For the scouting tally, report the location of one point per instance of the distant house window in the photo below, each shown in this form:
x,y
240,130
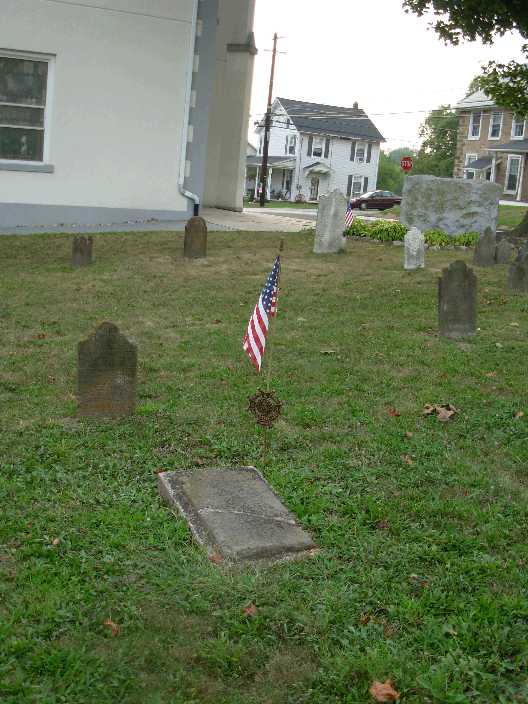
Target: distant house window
x,y
512,174
356,186
518,127
495,125
361,151
317,147
292,146
23,98
469,173
474,125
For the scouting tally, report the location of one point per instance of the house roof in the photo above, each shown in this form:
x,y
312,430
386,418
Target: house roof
x,y
516,145
279,161
479,99
316,118
480,164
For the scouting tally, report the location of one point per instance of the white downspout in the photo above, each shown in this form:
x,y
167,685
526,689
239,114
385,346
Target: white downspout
x,y
186,115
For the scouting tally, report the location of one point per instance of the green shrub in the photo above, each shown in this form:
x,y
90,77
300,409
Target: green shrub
x,y
390,231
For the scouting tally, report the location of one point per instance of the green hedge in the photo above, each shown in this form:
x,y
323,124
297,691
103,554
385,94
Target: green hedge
x,y
390,231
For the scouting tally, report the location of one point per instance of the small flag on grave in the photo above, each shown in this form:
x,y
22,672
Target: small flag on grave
x,y
255,338
349,217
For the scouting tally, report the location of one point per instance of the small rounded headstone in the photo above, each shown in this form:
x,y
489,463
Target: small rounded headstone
x,y
505,252
195,246
486,249
518,274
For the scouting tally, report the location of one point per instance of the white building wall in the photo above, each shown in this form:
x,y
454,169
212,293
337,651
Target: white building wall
x,y
117,107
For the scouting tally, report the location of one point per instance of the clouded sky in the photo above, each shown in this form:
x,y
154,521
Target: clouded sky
x,y
370,51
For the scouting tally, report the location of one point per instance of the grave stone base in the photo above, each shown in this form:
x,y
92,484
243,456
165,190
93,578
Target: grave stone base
x,y
235,513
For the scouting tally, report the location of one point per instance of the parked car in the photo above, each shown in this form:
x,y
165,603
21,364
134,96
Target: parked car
x,y
376,200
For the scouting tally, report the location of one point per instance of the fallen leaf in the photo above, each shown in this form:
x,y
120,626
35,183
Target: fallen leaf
x,y
445,413
382,525
519,414
216,558
384,692
407,459
114,628
41,336
393,412
491,375
55,542
365,619
409,435
217,322
429,410
250,610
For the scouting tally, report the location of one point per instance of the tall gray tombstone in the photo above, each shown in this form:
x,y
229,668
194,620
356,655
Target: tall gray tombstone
x,y
457,301
82,251
518,274
195,246
486,249
414,250
107,373
329,237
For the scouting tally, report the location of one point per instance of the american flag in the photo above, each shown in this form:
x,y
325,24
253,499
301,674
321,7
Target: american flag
x,y
349,217
266,308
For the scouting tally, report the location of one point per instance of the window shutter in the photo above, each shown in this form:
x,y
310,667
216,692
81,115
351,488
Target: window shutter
x,y
369,153
353,151
286,145
327,147
310,146
349,186
365,184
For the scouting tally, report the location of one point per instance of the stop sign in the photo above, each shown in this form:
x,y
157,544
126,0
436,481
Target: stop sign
x,y
407,163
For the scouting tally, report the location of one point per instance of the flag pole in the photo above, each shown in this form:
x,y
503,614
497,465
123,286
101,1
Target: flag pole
x,y
270,337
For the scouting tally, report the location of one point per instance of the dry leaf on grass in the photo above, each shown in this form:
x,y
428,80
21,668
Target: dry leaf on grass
x,y
408,460
384,692
491,375
393,412
55,542
113,627
444,412
216,559
519,414
250,610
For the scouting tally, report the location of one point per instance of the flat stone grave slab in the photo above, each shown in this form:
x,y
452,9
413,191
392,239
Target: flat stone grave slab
x,y
235,513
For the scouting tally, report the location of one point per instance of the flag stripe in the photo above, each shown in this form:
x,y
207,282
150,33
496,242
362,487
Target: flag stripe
x,y
254,343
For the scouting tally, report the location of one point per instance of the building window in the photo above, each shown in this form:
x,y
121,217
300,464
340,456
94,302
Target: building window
x,y
23,98
361,151
512,174
317,147
518,127
292,146
474,125
495,128
469,173
355,186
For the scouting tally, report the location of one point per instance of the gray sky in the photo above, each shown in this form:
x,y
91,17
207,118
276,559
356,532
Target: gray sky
x,y
340,51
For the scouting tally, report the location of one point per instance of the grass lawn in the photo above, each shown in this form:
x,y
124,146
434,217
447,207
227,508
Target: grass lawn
x,y
423,565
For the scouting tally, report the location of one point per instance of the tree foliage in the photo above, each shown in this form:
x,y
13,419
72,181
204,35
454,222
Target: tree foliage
x,y
455,20
390,175
437,153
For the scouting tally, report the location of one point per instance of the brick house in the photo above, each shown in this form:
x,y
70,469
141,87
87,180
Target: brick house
x,y
492,145
315,149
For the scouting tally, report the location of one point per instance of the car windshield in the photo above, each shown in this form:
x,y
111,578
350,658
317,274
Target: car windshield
x,y
369,194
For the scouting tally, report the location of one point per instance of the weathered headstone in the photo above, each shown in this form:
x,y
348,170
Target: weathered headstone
x,y
414,250
457,301
234,513
107,371
82,251
454,205
518,274
329,237
505,252
195,246
486,249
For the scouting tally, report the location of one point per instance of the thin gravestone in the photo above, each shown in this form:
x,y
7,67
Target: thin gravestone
x,y
107,374
330,228
518,274
195,245
235,514
82,251
457,301
505,252
486,249
414,250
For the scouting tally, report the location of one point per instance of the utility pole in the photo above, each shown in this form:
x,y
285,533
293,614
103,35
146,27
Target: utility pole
x,y
267,128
